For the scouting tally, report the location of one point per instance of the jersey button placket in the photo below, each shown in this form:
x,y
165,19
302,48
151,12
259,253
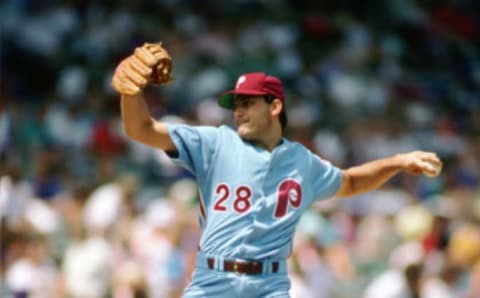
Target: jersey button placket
x,y
268,173
270,164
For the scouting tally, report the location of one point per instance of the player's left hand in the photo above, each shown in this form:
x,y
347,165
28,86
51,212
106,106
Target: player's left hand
x,y
420,162
162,70
149,64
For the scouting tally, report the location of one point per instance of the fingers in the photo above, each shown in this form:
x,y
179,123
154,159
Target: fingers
x,y
123,86
163,67
144,55
421,162
157,50
135,77
149,63
431,158
150,45
127,80
151,53
430,169
428,162
139,66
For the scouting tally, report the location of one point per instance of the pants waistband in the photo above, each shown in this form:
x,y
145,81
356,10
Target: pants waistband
x,y
240,266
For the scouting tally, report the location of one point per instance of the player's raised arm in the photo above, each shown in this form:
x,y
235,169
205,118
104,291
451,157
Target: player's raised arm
x,y
149,64
373,174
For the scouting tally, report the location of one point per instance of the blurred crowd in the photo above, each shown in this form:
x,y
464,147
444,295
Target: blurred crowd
x,y
86,212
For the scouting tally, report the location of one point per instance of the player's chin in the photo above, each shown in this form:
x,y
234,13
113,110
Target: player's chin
x,y
244,132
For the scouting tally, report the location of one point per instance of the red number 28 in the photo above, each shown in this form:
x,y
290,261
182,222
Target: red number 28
x,y
241,204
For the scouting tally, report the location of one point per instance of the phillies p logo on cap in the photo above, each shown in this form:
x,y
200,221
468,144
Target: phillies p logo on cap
x,y
240,80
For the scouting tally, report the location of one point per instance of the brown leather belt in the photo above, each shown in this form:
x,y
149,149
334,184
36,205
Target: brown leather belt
x,y
242,267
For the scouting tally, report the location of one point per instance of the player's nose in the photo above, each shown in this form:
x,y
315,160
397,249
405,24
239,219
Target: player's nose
x,y
238,113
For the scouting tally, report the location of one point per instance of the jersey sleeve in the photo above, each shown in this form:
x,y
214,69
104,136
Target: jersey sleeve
x,y
326,177
196,146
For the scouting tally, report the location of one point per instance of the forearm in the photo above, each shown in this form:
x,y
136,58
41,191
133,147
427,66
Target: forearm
x,y
140,126
368,176
372,175
135,114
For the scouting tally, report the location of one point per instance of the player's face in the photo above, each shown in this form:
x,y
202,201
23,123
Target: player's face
x,y
252,117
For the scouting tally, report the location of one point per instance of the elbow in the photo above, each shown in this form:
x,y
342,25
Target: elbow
x,y
347,187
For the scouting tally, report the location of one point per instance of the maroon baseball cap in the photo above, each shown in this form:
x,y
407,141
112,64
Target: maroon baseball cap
x,y
253,83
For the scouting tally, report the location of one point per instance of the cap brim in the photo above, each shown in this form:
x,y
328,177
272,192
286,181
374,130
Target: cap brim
x,y
227,99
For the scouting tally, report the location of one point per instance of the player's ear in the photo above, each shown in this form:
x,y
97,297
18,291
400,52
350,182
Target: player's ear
x,y
276,107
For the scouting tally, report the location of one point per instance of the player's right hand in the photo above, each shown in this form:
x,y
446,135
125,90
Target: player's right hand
x,y
149,63
418,162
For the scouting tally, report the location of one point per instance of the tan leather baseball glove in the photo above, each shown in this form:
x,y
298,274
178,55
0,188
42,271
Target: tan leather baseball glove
x,y
149,64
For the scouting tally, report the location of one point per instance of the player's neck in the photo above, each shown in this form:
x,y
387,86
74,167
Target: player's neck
x,y
270,140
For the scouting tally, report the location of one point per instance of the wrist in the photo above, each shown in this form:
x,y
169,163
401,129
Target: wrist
x,y
398,161
134,96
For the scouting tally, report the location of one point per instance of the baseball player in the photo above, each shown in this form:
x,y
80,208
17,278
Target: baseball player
x,y
254,183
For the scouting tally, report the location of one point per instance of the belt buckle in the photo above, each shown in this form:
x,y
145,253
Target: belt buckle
x,y
235,267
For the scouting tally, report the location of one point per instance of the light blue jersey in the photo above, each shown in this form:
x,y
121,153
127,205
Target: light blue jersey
x,y
250,199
